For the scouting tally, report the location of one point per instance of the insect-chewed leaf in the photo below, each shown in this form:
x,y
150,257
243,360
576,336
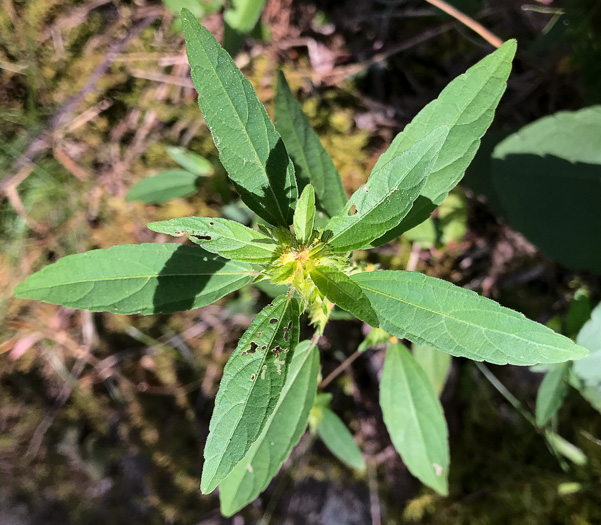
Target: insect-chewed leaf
x,y
160,188
339,289
427,310
467,105
229,239
139,278
313,163
386,198
281,433
551,393
250,148
338,439
190,161
414,418
252,382
304,215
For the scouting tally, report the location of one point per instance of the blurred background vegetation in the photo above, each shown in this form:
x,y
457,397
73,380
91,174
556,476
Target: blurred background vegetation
x,y
103,418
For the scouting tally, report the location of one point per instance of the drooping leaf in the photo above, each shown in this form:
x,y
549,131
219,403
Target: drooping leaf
x,y
551,393
386,198
590,334
190,161
338,439
427,310
414,418
313,163
163,187
435,364
588,370
566,449
250,148
282,432
579,313
467,105
304,215
252,382
339,289
229,239
142,278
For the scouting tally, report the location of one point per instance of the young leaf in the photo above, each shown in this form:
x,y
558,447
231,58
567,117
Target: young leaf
x,y
304,215
250,148
229,239
252,381
386,198
467,105
282,432
339,440
190,161
551,393
339,289
435,364
414,418
168,185
312,162
140,278
427,310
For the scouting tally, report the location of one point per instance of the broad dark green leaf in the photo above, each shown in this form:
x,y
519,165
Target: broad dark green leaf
x,y
414,418
282,432
338,439
252,382
312,162
435,364
339,289
427,310
190,161
163,187
304,215
250,148
229,239
386,198
551,393
467,105
139,278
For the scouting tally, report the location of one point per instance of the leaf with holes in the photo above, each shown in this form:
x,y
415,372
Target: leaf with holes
x,y
252,382
229,239
250,148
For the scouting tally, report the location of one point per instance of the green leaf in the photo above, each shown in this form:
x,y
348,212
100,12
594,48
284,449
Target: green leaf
x,y
229,239
141,278
313,163
282,432
386,198
588,370
168,185
566,449
252,382
435,364
338,439
414,418
244,15
590,334
467,106
579,313
551,393
304,215
339,289
190,161
427,310
250,148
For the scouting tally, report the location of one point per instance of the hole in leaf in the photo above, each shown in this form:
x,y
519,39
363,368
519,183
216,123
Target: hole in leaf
x,y
352,210
273,320
253,377
211,223
287,331
252,349
264,347
203,237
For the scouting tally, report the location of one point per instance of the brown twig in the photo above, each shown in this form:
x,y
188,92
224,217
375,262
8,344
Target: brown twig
x,y
467,21
340,368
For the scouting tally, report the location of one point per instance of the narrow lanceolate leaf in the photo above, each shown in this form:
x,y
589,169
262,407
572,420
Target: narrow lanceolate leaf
x,y
414,418
282,432
252,382
250,148
229,239
339,289
427,310
551,393
435,364
139,278
339,440
163,187
312,162
190,161
386,198
304,215
467,105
